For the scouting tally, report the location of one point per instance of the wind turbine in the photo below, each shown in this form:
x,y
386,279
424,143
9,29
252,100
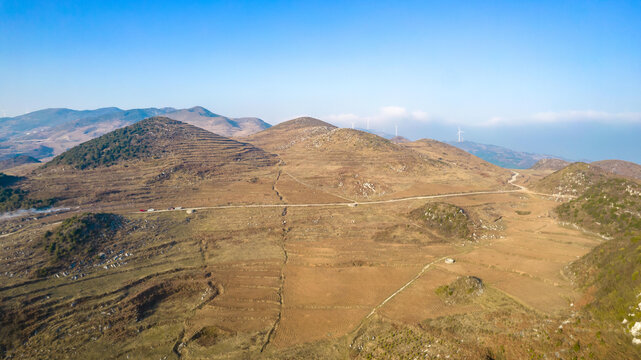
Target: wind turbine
x,y
396,130
367,124
460,132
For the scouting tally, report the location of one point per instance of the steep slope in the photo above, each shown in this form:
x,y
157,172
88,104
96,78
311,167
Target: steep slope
x,y
550,164
218,124
286,134
573,179
610,272
357,165
620,167
152,157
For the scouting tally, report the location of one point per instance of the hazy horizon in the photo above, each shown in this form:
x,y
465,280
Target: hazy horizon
x,y
545,77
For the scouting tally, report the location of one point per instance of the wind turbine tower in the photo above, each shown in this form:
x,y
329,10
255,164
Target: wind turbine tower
x,y
460,132
396,130
367,124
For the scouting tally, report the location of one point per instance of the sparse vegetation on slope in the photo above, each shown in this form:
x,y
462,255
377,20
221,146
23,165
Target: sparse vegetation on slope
x,y
446,219
611,271
620,167
80,234
573,179
13,198
550,164
79,238
611,207
462,290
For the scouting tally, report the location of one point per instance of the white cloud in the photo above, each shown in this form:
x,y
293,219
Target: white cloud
x,y
586,115
570,116
420,115
386,115
393,112
342,118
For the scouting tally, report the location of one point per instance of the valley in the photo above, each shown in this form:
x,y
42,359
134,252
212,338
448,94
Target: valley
x,y
254,249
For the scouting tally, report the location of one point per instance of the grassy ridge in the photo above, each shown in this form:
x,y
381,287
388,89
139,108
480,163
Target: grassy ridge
x,y
612,269
573,179
140,140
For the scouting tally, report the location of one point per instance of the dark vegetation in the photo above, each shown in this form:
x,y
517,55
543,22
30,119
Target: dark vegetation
x,y
611,270
77,238
446,219
210,336
137,141
17,161
462,290
8,180
13,198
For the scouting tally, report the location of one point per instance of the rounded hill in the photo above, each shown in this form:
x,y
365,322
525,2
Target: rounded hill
x,y
158,158
158,138
620,167
550,164
573,179
354,164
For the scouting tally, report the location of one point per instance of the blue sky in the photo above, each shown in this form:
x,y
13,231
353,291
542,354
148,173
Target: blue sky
x,y
545,72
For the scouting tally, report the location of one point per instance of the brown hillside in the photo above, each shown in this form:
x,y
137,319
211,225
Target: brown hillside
x,y
399,140
358,165
573,179
456,157
156,157
550,164
620,167
286,134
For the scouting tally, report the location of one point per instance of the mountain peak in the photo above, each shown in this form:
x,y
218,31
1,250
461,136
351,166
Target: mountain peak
x,y
303,122
202,111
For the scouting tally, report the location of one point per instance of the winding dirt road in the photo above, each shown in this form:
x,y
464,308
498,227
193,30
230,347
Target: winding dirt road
x,y
374,202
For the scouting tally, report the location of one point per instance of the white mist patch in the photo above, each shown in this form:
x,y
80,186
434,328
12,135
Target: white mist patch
x,y
23,212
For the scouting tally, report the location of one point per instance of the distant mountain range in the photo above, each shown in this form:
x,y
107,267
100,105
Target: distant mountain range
x,y
45,133
501,156
494,154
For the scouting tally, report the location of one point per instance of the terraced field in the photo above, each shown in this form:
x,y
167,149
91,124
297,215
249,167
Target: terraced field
x,y
178,165
272,260
357,165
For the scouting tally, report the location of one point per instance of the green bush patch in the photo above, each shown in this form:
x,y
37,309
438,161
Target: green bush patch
x,y
79,236
462,290
13,198
446,219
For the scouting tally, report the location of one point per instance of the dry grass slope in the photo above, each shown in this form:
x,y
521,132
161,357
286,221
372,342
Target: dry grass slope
x,y
157,158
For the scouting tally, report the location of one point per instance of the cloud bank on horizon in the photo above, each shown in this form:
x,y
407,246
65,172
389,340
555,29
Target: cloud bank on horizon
x,y
575,135
554,71
387,115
